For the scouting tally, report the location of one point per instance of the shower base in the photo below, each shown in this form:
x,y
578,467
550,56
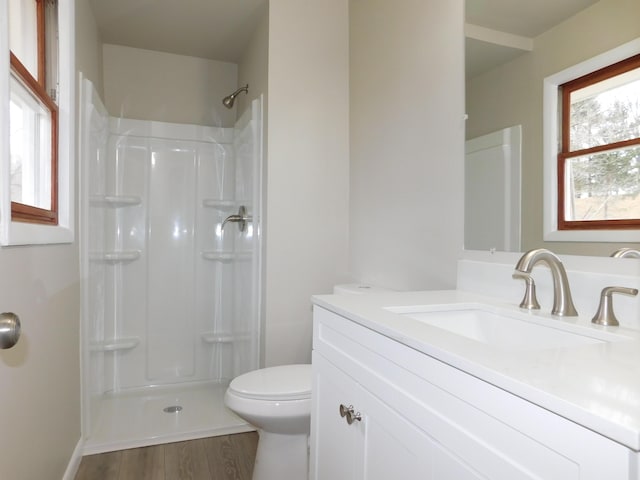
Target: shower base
x,y
137,418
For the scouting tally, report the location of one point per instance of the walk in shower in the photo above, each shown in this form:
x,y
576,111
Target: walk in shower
x,y
170,299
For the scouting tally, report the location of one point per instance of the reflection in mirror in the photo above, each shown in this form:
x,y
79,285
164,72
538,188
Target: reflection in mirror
x,y
492,191
500,93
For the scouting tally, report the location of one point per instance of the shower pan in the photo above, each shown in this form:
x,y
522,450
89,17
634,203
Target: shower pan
x,y
170,299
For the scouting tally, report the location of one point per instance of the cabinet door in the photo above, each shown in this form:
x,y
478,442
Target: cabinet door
x,y
336,446
382,445
395,448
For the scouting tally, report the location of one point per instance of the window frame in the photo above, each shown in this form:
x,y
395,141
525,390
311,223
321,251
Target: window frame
x,y
566,89
552,143
25,233
22,212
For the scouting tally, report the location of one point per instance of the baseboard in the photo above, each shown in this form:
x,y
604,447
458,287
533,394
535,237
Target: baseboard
x,y
74,462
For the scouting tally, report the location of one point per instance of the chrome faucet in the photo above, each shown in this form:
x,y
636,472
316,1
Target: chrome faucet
x,y
626,252
241,218
562,302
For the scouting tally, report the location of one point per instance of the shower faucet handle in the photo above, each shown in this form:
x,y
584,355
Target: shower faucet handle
x,y
241,218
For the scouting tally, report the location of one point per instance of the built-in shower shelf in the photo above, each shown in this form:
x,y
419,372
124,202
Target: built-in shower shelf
x,y
219,204
123,256
212,337
114,201
115,344
226,256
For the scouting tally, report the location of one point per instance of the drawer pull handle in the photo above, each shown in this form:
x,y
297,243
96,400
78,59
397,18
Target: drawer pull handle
x,y
350,414
344,411
353,417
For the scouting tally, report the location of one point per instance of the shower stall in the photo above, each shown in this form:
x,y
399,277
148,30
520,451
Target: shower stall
x,y
170,298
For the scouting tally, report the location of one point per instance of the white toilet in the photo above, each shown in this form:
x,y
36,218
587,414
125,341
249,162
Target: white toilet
x,y
276,400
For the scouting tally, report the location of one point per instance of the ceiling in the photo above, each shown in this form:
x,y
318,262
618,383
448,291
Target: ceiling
x,y
214,29
520,18
221,29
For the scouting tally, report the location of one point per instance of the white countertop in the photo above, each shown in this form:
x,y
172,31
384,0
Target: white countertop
x,y
596,386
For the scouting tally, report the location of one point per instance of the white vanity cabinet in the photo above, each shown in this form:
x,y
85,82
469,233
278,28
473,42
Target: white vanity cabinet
x,y
420,418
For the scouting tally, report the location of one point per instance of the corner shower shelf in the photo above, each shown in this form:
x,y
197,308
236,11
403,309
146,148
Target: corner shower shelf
x,y
226,256
115,344
114,201
123,256
219,204
212,337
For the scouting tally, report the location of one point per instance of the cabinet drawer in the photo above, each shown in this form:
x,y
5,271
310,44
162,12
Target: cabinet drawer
x,y
495,433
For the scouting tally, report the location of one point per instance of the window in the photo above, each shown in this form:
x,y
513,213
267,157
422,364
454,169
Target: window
x,y
599,161
33,113
553,230
17,93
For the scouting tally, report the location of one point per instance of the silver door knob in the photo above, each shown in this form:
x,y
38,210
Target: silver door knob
x,y
9,329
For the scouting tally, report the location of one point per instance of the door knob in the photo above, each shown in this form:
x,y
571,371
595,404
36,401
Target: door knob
x,y
9,329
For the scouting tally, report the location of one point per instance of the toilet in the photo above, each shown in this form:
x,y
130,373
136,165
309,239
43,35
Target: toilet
x,y
277,401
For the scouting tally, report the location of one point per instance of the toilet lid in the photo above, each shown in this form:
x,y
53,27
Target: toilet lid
x,y
286,382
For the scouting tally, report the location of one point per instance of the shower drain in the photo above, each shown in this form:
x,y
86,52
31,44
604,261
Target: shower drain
x,y
172,409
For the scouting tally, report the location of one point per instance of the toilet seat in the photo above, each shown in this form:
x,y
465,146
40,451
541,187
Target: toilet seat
x,y
283,383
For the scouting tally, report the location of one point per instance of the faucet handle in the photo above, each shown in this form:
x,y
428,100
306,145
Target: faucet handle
x,y
530,302
241,218
605,315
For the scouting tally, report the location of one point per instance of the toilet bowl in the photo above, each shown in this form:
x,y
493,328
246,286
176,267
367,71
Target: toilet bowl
x,y
277,401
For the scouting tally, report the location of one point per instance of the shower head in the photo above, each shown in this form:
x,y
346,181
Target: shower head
x,y
228,101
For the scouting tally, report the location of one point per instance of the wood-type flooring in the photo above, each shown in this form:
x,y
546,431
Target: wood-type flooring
x,y
227,457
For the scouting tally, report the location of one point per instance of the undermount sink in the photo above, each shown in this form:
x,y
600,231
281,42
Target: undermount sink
x,y
504,331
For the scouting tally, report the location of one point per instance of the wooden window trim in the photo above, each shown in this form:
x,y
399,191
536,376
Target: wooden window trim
x,y
19,211
42,55
605,73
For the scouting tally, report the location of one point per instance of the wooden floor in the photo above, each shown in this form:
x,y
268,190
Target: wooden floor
x,y
228,457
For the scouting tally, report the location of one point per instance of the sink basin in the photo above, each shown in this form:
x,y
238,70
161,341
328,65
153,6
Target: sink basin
x,y
502,331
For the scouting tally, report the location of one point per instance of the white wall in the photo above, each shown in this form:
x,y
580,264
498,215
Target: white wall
x,y
407,135
148,85
511,94
307,168
89,45
253,68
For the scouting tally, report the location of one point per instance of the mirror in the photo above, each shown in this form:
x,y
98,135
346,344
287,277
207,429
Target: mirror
x,y
510,48
492,203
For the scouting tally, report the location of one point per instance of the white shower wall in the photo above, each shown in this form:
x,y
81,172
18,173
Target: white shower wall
x,y
169,296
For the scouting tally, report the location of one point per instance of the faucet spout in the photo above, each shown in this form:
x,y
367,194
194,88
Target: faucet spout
x,y
626,253
562,301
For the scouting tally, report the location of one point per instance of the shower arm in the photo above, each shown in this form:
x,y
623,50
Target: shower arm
x,y
230,99
241,218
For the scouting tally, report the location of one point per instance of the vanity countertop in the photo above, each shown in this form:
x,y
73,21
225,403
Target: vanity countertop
x,y
595,385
